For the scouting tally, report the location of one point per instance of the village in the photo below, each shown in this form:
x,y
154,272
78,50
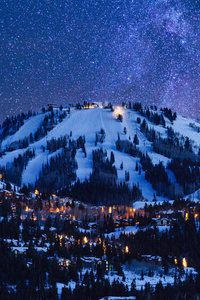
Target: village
x,y
69,225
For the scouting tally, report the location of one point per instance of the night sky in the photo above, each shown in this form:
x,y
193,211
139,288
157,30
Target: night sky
x,y
109,50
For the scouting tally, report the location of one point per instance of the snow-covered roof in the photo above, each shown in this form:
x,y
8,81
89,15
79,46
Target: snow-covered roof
x,y
118,298
19,249
52,229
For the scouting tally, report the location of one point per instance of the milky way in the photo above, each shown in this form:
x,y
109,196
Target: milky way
x,y
70,51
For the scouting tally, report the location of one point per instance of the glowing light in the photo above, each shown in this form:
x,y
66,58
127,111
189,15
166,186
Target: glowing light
x,y
85,240
26,209
196,216
102,209
37,192
186,216
118,111
175,261
184,262
0,176
104,248
57,209
126,249
110,210
34,218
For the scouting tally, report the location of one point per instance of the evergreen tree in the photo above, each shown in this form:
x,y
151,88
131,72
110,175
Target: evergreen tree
x,y
136,140
112,158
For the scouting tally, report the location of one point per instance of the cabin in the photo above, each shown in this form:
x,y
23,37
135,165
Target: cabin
x,y
118,298
64,263
92,226
90,262
19,250
162,221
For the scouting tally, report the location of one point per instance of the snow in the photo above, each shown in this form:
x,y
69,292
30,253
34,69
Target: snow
x,y
40,249
15,242
158,158
181,125
161,228
31,173
119,298
141,204
134,273
52,229
88,122
131,275
30,126
84,165
118,231
82,230
133,128
9,157
60,286
20,249
194,196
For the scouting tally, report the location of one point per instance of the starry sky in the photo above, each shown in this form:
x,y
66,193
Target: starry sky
x,y
104,50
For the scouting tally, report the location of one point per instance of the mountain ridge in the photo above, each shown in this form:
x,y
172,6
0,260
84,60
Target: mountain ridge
x,y
82,131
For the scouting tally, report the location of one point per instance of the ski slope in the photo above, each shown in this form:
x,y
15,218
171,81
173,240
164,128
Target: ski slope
x,y
88,122
30,126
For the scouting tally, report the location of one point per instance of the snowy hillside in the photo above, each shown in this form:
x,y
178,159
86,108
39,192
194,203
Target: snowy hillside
x,y
30,126
88,123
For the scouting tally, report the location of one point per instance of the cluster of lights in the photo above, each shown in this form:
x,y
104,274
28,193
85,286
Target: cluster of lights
x,y
184,262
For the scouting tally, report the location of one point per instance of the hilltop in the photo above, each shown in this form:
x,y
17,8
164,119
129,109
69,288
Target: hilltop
x,y
153,153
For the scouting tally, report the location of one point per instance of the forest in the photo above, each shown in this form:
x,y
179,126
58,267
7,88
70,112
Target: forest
x,y
35,274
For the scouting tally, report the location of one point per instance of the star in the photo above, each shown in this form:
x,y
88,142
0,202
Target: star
x,y
69,52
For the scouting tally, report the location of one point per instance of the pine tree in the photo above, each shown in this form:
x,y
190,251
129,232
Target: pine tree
x,y
112,158
136,140
127,176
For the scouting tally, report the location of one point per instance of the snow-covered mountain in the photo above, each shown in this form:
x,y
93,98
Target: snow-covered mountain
x,y
89,123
